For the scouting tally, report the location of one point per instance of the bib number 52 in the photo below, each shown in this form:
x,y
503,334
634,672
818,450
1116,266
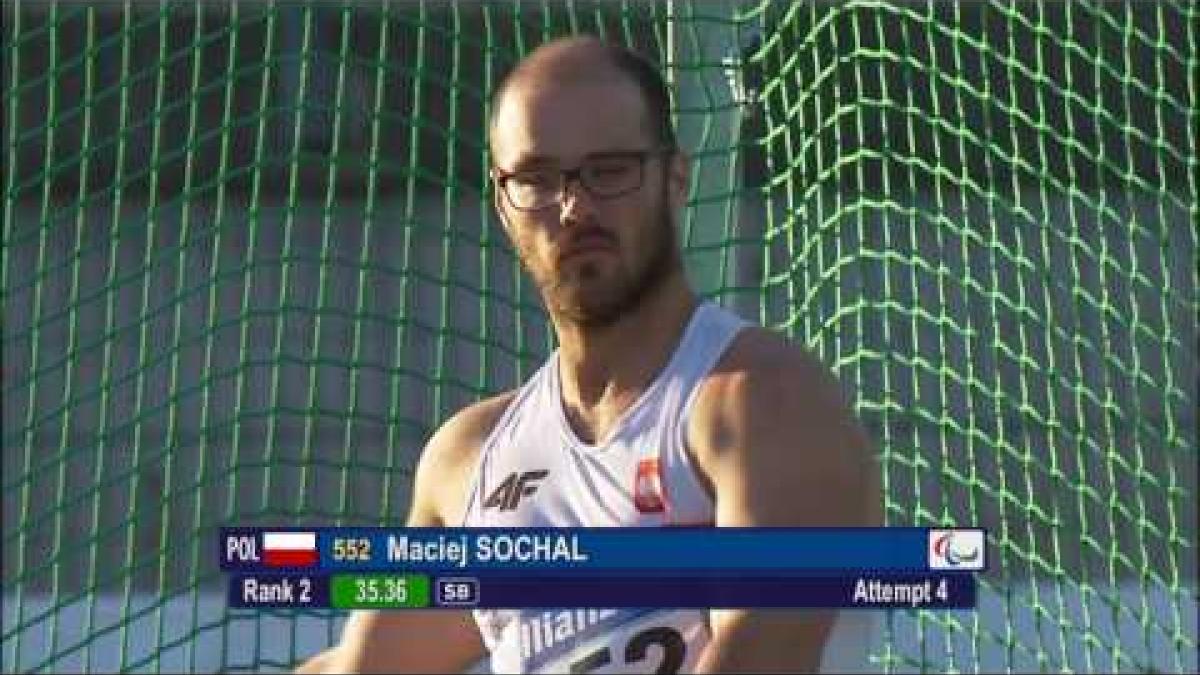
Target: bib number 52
x,y
669,639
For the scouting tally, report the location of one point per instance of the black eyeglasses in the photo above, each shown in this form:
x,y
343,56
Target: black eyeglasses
x,y
604,175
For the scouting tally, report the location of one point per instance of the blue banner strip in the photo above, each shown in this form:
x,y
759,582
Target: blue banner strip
x,y
857,591
600,550
891,591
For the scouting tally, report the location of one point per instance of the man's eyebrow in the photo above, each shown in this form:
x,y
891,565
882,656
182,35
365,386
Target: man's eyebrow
x,y
612,154
538,161
531,161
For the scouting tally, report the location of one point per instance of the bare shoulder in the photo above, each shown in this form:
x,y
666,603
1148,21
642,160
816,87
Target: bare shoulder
x,y
443,472
459,438
764,367
774,435
392,642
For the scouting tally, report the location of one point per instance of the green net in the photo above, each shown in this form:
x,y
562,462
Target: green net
x,y
249,265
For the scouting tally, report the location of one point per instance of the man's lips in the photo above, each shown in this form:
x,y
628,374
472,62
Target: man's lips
x,y
587,243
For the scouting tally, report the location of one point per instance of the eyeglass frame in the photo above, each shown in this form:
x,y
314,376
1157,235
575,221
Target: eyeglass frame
x,y
567,175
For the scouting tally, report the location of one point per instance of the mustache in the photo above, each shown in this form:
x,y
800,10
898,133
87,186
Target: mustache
x,y
584,237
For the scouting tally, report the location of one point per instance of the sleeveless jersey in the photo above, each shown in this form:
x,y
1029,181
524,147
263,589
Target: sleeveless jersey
x,y
533,471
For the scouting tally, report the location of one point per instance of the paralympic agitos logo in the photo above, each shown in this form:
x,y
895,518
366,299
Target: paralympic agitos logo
x,y
956,549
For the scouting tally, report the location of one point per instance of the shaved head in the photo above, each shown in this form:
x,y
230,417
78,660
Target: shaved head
x,y
576,103
585,60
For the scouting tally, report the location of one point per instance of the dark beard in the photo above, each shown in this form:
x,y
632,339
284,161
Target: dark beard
x,y
663,260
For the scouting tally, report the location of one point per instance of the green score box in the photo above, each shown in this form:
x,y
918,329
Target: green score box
x,y
379,591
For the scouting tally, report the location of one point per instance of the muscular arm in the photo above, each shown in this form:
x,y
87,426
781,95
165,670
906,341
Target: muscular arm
x,y
780,448
424,641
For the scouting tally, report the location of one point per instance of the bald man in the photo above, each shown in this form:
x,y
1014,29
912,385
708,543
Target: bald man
x,y
657,409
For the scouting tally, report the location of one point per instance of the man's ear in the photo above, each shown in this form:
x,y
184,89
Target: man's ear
x,y
498,203
678,179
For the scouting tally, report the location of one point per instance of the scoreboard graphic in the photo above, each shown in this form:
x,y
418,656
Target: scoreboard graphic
x,y
419,568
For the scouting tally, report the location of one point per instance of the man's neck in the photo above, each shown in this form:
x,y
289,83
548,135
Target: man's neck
x,y
614,364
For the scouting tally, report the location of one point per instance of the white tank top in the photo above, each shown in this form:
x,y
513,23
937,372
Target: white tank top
x,y
640,476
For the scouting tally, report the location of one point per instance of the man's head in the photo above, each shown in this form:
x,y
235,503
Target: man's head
x,y
600,114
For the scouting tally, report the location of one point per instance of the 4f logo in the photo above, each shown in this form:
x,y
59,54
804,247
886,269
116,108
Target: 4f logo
x,y
508,494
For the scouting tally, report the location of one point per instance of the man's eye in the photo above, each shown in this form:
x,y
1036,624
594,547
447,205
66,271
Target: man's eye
x,y
609,169
534,179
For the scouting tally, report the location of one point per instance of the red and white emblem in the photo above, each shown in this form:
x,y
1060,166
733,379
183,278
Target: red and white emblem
x,y
647,487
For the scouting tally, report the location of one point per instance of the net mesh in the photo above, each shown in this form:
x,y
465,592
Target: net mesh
x,y
249,266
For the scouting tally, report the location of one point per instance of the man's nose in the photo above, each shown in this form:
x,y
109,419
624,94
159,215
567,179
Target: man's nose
x,y
575,204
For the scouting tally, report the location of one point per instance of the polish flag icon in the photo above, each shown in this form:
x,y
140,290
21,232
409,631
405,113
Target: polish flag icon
x,y
289,549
